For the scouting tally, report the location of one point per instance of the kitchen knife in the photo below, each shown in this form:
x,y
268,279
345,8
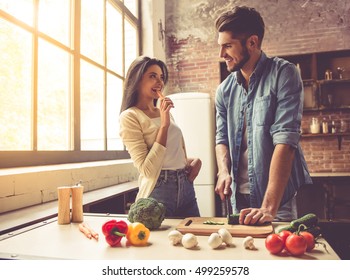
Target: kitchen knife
x,y
232,219
227,206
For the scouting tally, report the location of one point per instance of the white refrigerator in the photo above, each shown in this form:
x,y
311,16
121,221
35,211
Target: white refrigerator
x,y
194,114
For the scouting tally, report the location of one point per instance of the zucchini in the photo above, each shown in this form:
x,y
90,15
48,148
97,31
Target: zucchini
x,y
233,219
308,220
289,228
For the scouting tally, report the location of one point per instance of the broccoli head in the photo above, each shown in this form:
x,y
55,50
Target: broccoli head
x,y
147,211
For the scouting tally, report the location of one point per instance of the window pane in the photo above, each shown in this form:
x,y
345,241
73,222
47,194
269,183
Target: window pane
x,y
21,9
92,34
114,39
53,98
114,98
16,88
131,44
132,6
54,19
92,104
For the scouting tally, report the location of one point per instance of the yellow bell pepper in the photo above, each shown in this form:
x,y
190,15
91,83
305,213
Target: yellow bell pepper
x,y
137,234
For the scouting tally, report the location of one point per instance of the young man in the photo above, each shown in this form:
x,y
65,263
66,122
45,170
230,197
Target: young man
x,y
258,116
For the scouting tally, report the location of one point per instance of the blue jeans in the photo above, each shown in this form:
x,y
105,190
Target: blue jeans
x,y
286,213
177,193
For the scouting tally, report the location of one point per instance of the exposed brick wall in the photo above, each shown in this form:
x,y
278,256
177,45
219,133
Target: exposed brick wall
x,y
292,27
321,152
190,66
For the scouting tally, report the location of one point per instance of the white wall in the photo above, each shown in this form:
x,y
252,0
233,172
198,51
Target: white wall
x,y
152,12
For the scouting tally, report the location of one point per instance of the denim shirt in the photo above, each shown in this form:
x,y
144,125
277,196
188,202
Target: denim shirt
x,y
273,109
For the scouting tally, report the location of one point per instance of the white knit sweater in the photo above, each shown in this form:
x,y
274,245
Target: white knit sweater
x,y
138,133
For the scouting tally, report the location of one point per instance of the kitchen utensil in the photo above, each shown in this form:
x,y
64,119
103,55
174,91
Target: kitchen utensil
x,y
77,203
197,226
228,207
63,194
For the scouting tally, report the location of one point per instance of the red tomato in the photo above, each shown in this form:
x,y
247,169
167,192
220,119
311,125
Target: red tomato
x,y
310,240
284,234
296,244
274,243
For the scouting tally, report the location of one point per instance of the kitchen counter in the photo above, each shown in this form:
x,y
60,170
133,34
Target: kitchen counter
x,y
37,213
329,182
48,240
330,174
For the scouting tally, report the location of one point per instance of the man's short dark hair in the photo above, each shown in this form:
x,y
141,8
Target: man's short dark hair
x,y
241,21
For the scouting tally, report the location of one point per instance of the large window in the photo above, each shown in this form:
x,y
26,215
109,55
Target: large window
x,y
62,68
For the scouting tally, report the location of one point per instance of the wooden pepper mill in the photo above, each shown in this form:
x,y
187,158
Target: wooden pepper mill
x,y
77,203
64,194
63,205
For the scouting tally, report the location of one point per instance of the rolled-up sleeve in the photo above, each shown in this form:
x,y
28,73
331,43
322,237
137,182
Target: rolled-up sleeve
x,y
148,161
289,107
221,119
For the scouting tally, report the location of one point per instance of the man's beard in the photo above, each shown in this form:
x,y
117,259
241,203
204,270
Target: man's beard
x,y
243,61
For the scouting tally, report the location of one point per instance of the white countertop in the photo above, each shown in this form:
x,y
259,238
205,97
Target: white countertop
x,y
53,241
49,209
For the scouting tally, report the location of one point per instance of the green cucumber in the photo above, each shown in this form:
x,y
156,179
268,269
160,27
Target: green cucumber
x,y
289,228
233,219
210,222
309,220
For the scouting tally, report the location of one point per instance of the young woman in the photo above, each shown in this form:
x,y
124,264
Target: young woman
x,y
154,142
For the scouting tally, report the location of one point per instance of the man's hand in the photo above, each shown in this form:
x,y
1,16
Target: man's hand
x,y
223,185
255,216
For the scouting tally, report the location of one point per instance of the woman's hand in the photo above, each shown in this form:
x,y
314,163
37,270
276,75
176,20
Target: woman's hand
x,y
193,167
165,105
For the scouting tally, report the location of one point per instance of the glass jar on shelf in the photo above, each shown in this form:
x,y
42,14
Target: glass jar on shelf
x,y
343,126
315,126
335,126
325,126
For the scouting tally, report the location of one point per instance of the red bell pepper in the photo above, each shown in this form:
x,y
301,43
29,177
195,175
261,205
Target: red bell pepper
x,y
114,231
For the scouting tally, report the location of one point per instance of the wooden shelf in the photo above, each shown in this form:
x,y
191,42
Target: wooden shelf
x,y
317,89
338,135
333,81
326,109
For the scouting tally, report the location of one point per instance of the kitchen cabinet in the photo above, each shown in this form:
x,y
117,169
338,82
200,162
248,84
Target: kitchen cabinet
x,y
328,196
118,203
326,77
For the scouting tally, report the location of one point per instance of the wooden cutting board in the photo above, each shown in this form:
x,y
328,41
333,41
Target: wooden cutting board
x,y
195,225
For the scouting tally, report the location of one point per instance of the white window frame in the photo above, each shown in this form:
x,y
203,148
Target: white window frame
x,y
9,159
